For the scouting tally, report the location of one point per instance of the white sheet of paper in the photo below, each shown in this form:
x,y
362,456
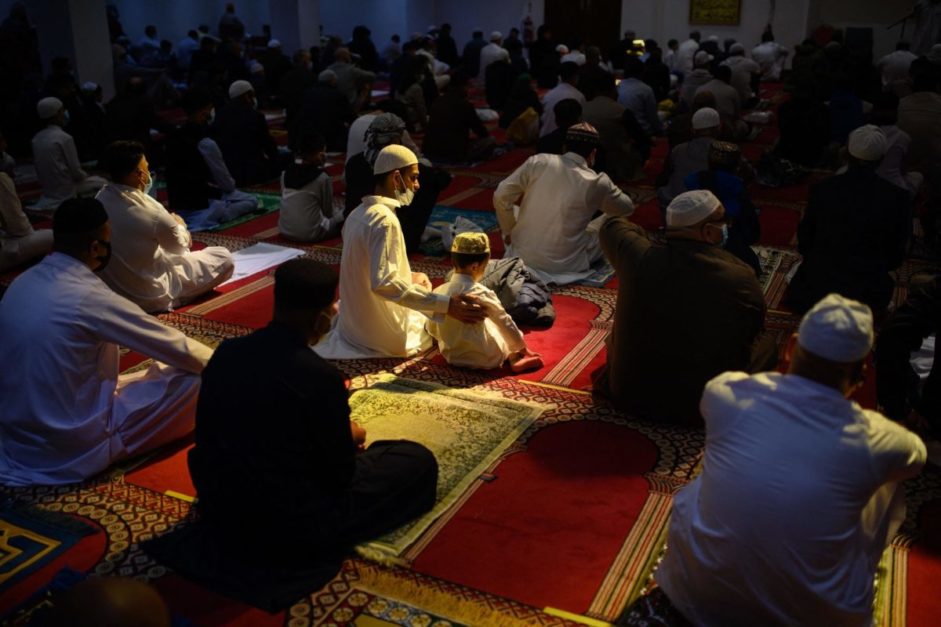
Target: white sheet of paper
x,y
260,257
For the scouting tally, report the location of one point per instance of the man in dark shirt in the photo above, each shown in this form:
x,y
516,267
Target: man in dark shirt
x,y
471,58
325,110
447,47
273,430
450,122
854,231
249,149
568,112
294,84
687,310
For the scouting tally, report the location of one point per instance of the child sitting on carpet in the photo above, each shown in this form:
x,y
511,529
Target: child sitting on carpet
x,y
494,341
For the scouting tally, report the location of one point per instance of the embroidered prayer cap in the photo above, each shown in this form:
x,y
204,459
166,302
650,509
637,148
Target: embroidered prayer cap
x,y
78,215
385,129
274,43
394,157
868,143
471,243
48,107
496,36
582,132
691,208
737,48
239,88
724,153
707,117
562,49
838,329
702,58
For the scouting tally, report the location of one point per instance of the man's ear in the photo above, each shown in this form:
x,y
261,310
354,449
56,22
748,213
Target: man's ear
x,y
789,348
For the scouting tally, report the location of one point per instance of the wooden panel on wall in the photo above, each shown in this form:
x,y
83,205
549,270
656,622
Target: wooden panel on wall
x,y
715,12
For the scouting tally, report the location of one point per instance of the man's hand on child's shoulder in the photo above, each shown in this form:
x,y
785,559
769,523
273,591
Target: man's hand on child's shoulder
x,y
466,308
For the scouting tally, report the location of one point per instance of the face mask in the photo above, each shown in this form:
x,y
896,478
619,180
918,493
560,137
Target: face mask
x,y
103,259
65,122
149,185
725,235
254,103
212,116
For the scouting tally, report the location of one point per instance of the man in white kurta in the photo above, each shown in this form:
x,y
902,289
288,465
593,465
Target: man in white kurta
x,y
152,263
58,169
490,53
18,241
67,414
770,57
384,305
552,231
799,492
565,90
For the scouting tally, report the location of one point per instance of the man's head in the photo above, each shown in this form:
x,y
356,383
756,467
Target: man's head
x,y
633,67
51,111
583,139
327,77
396,38
151,31
673,44
567,112
724,156
697,215
470,253
445,29
867,145
80,229
885,109
723,73
305,297
311,147
193,34
592,55
767,36
832,343
301,59
197,103
695,36
342,55
242,90
395,173
384,130
568,72
127,164
496,37
702,59
706,122
460,82
737,50
477,34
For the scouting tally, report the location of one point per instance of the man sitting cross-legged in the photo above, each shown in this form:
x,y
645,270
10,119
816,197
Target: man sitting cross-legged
x,y
383,304
67,415
153,264
799,492
313,490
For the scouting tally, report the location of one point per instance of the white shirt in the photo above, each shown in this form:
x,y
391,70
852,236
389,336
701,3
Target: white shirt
x,y
486,345
560,195
57,165
61,327
894,67
742,70
770,57
151,263
382,313
13,222
684,56
790,516
488,54
562,91
306,213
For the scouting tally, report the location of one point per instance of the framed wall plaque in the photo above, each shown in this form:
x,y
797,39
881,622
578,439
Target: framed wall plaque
x,y
715,12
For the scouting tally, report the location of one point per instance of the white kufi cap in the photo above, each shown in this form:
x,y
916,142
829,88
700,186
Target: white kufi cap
x,y
838,329
393,157
48,107
707,117
702,58
274,43
496,36
868,143
237,88
691,208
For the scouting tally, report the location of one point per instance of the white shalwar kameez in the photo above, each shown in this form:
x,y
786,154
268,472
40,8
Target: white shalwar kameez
x,y
58,169
152,263
797,500
552,234
66,413
382,313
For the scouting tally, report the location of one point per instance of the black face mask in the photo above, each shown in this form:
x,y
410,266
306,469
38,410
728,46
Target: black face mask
x,y
104,259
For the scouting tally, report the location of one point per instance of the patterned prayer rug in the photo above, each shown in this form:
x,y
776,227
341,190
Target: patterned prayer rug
x,y
466,429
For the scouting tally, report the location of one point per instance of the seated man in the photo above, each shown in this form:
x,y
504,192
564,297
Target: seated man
x,y
689,157
197,177
795,538
250,151
307,210
384,130
686,311
18,241
57,166
67,413
153,264
317,490
497,340
383,304
552,231
854,231
567,114
451,121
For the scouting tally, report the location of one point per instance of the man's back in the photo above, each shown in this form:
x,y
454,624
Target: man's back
x,y
242,135
686,311
451,119
788,519
51,150
920,117
188,175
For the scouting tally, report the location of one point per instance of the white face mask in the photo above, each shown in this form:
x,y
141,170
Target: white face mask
x,y
212,116
149,185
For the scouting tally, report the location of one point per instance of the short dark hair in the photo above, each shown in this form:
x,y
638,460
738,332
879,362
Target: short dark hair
x,y
77,223
672,43
462,260
723,73
122,157
195,99
568,70
567,112
633,67
310,140
304,283
694,35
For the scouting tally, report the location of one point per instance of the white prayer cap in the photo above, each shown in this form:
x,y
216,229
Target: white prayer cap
x,y
838,329
238,88
48,107
868,143
393,157
702,58
327,76
713,38
707,117
736,48
89,87
691,208
274,43
256,68
562,49
496,36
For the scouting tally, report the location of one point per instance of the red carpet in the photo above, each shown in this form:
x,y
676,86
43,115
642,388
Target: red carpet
x,y
546,530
